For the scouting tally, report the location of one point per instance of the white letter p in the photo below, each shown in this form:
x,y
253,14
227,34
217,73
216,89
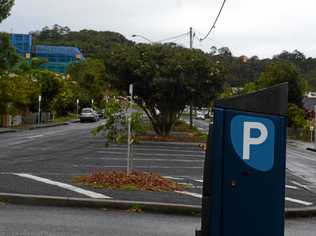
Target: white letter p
x,y
248,126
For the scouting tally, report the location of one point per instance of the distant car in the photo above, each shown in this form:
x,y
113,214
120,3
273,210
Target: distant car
x,y
88,114
200,115
101,113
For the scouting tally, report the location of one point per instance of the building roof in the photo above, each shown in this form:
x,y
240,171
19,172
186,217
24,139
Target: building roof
x,y
309,103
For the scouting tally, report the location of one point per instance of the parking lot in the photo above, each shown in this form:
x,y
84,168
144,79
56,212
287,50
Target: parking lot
x,y
45,161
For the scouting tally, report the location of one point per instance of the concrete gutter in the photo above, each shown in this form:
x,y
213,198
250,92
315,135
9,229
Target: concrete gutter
x,y
155,207
7,131
44,200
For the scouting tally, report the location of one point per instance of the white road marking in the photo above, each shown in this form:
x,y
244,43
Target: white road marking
x,y
135,148
190,194
64,186
141,167
154,154
291,187
301,185
298,201
287,198
36,136
299,156
146,159
173,178
183,183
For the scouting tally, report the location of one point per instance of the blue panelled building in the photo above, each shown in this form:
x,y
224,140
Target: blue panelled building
x,y
22,44
58,57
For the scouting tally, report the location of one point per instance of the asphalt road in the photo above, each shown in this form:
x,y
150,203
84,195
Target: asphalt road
x,y
45,161
32,220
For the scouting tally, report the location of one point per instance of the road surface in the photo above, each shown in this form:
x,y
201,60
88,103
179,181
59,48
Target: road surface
x,y
32,220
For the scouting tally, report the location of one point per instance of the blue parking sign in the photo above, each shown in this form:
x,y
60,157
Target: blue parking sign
x,y
253,139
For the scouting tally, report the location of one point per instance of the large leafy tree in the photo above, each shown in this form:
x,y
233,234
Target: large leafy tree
x,y
8,56
165,78
5,7
90,77
281,72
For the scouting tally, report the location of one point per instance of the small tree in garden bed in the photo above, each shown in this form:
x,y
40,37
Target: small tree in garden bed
x,y
136,180
115,127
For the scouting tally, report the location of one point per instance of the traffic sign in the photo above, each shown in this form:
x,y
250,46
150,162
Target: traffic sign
x,y
244,173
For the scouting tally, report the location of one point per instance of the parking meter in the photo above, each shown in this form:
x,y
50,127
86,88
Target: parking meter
x,y
244,173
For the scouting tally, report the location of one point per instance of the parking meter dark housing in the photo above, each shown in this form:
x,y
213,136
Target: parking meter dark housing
x,y
244,173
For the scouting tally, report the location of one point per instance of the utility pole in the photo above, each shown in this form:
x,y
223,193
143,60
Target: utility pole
x,y
191,108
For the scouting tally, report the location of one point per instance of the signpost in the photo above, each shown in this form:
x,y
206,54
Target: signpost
x,y
244,173
39,110
129,132
77,102
315,125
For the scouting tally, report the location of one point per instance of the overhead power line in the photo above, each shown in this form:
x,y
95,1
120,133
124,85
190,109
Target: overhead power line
x,y
214,24
173,38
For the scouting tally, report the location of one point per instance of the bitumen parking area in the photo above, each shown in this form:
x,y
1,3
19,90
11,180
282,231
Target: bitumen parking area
x,y
44,162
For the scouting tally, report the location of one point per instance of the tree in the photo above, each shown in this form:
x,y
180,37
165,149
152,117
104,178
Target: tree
x,y
166,78
296,117
281,72
90,76
8,56
5,8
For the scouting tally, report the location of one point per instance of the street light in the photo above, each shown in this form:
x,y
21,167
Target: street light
x,y
143,37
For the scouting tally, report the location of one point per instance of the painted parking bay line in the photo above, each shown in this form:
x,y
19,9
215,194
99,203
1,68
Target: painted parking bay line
x,y
196,195
190,194
298,201
64,186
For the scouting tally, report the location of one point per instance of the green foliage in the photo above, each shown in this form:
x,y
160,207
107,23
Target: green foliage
x,y
115,127
95,44
8,56
165,79
296,116
281,72
64,102
16,93
90,76
5,8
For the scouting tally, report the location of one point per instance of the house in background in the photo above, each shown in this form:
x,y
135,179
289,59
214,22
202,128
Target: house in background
x,y
58,57
309,103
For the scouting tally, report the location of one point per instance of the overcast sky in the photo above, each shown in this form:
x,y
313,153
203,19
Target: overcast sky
x,y
247,27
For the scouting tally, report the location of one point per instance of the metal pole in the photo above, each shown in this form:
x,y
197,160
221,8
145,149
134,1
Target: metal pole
x,y
191,108
129,169
129,133
39,110
315,125
77,108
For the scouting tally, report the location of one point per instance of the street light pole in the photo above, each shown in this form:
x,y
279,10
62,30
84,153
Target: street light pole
x,y
143,37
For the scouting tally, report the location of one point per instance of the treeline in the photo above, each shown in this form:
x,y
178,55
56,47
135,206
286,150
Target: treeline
x,y
241,70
